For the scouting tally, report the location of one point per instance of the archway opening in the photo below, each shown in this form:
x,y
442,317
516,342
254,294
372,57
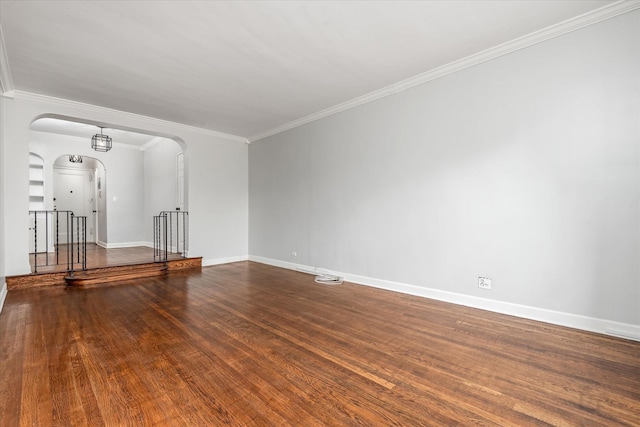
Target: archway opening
x,y
145,177
79,186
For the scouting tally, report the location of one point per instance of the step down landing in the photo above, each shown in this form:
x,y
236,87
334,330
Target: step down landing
x,y
116,274
38,280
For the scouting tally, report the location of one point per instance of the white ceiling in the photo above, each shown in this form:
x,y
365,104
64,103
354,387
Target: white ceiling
x,y
247,67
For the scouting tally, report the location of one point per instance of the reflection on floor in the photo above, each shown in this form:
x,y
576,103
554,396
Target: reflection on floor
x,y
97,257
246,344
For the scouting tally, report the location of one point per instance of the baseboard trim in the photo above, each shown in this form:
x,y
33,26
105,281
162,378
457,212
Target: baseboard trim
x,y
218,261
3,294
601,326
124,245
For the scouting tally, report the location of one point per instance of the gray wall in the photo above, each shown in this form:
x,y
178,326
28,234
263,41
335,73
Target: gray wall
x,y
125,181
524,169
159,181
218,201
3,287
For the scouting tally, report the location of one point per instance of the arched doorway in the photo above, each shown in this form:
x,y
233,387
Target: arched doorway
x,y
78,183
146,176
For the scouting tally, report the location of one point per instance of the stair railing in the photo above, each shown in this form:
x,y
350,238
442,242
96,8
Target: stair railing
x,y
54,242
79,255
170,235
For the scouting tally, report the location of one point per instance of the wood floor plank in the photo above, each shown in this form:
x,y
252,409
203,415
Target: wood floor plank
x,y
233,356
36,385
246,344
313,378
345,360
12,349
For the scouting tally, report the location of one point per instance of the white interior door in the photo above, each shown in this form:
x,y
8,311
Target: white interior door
x,y
72,191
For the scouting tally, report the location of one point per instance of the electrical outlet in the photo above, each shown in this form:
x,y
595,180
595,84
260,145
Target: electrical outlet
x,y
294,253
484,283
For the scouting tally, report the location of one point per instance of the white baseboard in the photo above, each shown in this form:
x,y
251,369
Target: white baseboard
x,y
217,261
576,321
124,245
3,294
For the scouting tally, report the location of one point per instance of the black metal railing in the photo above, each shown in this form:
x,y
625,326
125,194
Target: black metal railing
x,y
170,234
79,255
59,238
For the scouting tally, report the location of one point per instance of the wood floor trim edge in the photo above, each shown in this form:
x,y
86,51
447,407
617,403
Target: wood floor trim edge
x,y
591,324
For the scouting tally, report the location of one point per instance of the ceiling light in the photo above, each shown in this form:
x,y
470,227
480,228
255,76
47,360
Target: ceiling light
x,y
101,142
75,158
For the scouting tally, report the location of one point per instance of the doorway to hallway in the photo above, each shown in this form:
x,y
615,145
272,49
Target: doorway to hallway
x,y
77,187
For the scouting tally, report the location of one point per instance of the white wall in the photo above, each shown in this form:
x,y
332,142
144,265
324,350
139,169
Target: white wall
x,y
524,169
216,177
3,285
102,203
160,180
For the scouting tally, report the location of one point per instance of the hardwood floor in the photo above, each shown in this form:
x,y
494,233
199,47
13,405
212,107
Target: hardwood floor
x,y
246,344
97,256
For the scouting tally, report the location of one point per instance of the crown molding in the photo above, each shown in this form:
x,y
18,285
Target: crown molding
x,y
573,24
82,140
6,82
151,122
127,146
151,143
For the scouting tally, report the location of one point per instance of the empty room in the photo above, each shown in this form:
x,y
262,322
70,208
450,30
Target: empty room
x,y
320,213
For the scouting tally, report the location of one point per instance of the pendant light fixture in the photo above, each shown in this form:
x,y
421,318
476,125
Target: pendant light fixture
x,y
75,158
101,142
